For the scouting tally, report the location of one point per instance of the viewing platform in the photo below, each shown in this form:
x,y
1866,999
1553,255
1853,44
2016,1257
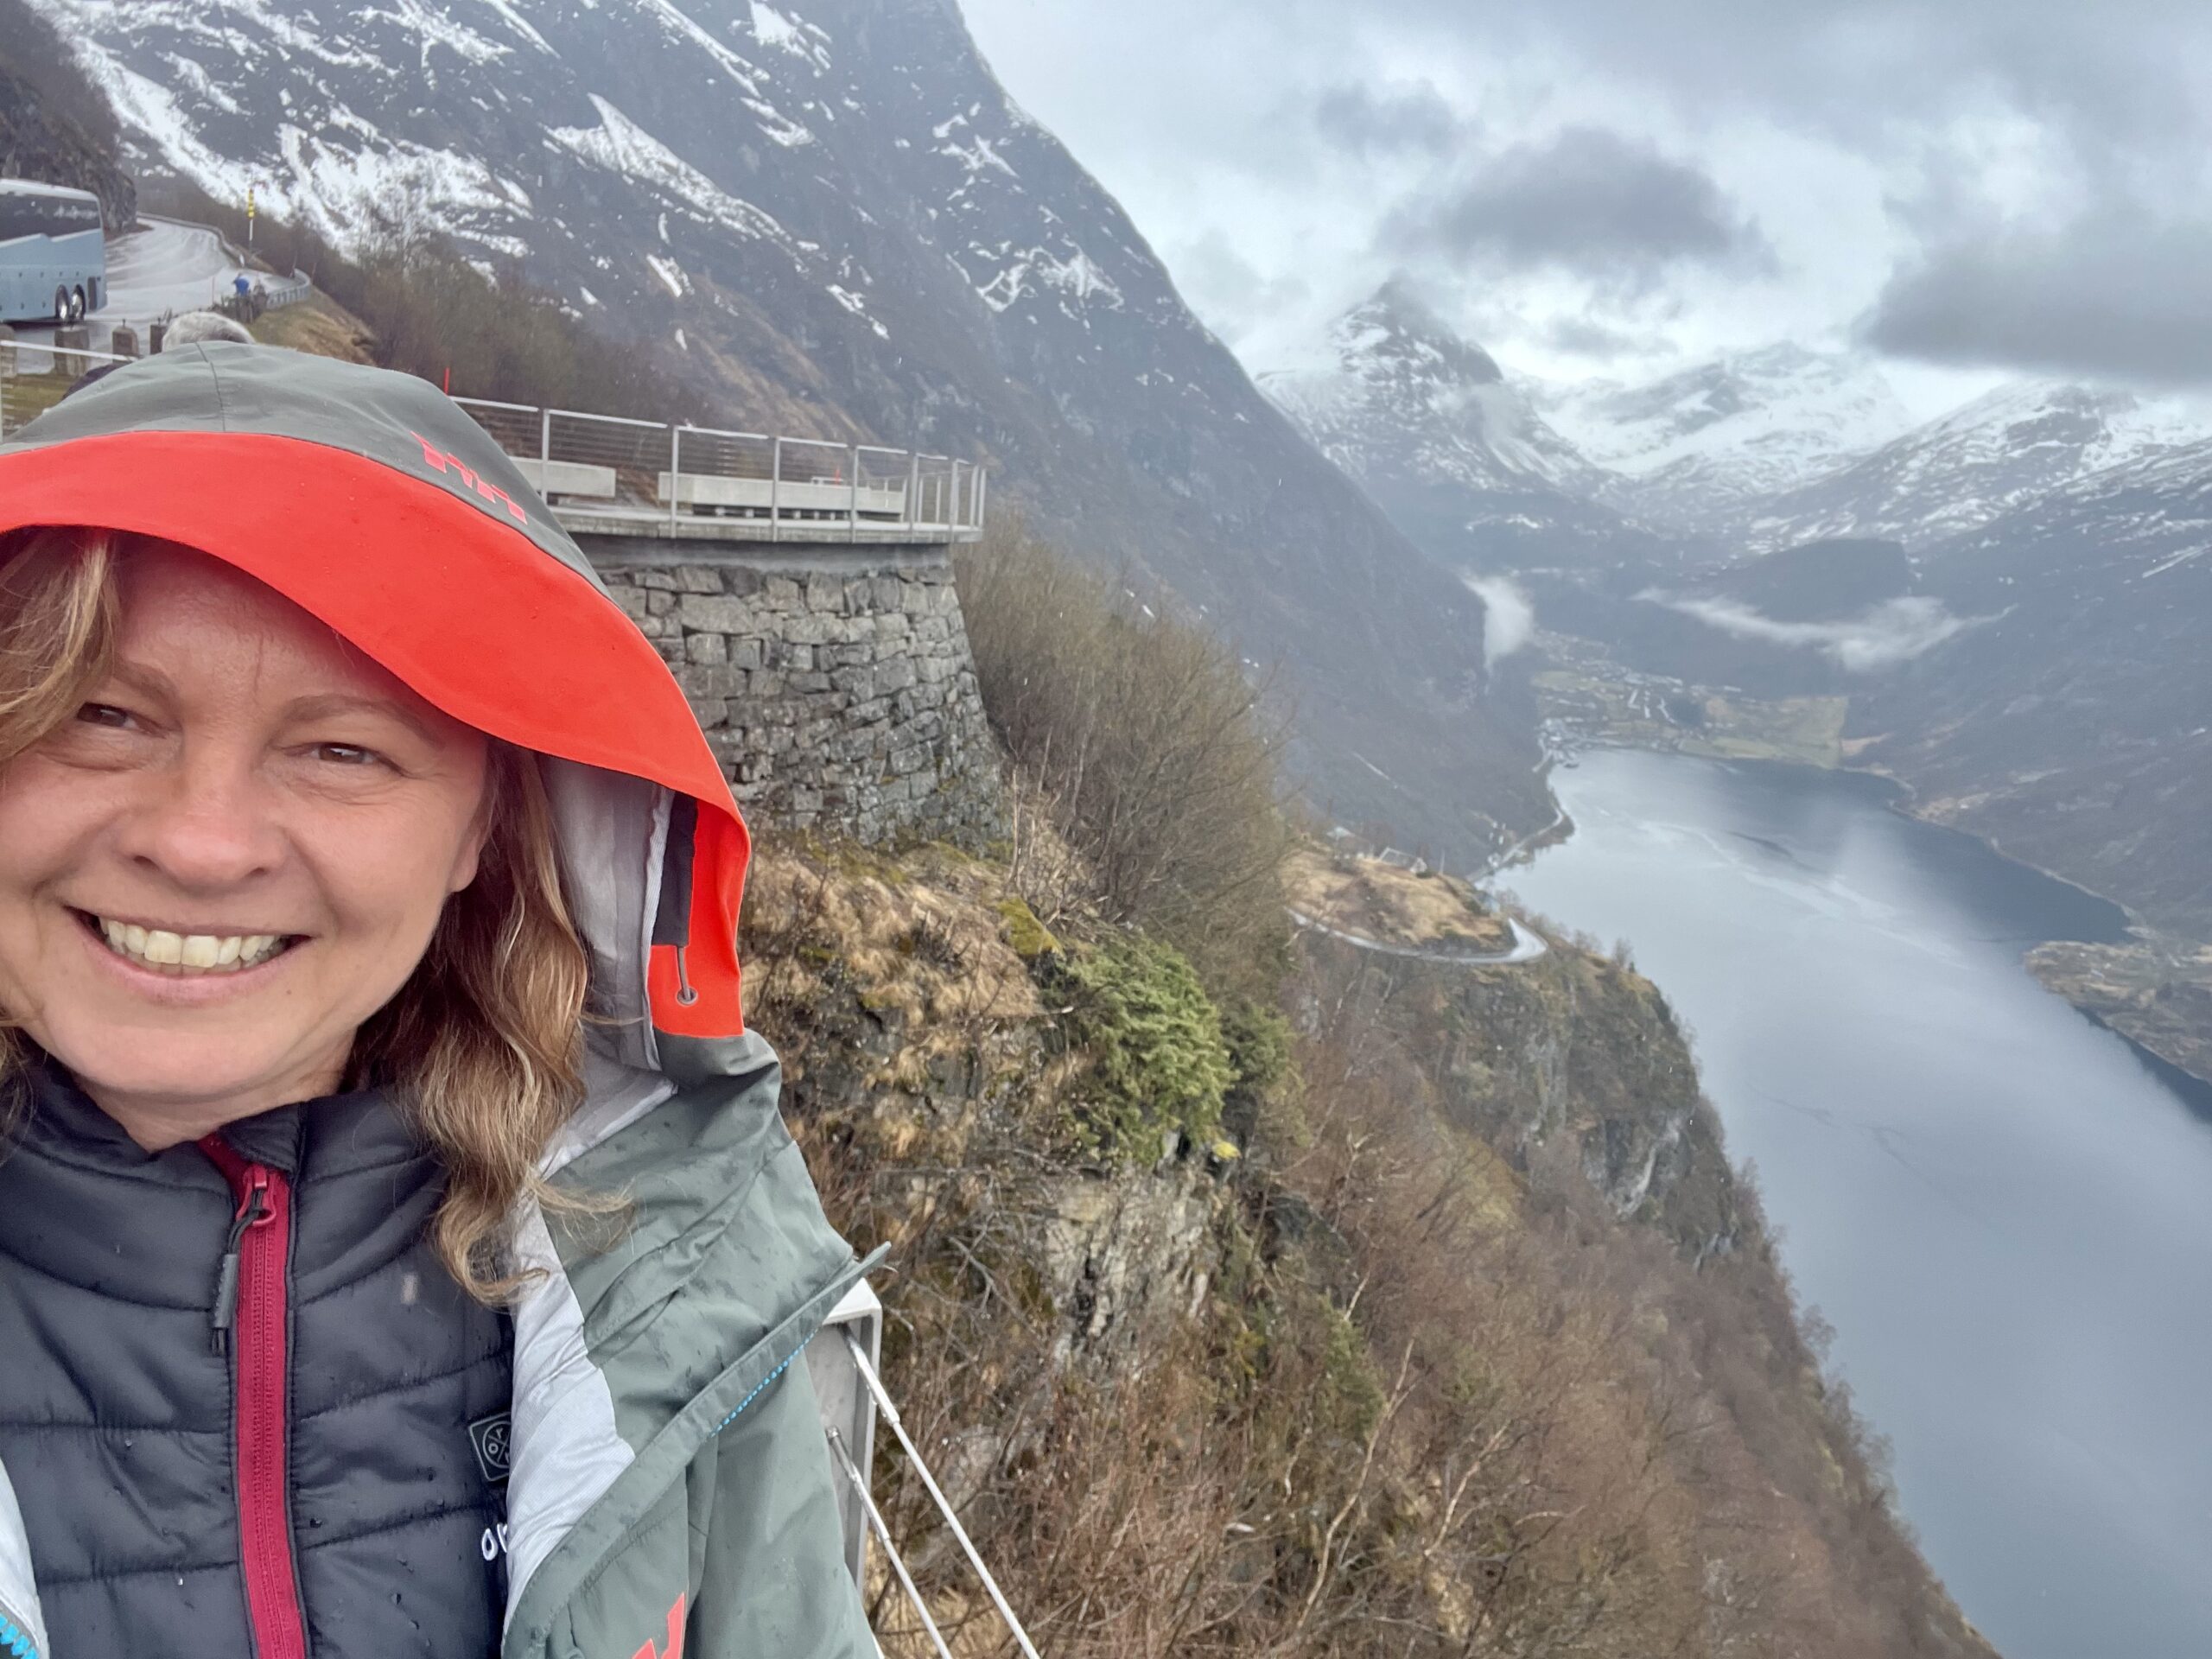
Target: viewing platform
x,y
628,488
615,478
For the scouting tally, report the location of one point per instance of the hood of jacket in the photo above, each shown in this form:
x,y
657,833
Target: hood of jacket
x,y
376,504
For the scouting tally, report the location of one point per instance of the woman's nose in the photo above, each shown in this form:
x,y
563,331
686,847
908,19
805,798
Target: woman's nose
x,y
209,824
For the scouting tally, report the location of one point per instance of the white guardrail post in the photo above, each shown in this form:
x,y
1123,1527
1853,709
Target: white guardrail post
x,y
675,473
848,1407
853,492
865,1366
775,491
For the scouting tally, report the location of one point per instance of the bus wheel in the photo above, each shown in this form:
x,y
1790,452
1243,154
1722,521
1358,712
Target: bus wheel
x,y
61,305
77,305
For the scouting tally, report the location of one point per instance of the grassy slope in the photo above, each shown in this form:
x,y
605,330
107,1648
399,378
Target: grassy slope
x,y
1392,1379
319,325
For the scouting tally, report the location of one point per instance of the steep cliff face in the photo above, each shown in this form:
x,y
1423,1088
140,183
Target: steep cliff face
x,y
55,126
1460,1328
1571,1067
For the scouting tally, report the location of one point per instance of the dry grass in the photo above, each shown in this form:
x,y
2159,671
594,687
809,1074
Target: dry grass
x,y
923,947
319,326
1381,902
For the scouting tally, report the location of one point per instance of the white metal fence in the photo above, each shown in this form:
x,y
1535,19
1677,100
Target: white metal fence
x,y
844,1362
630,477
33,377
633,476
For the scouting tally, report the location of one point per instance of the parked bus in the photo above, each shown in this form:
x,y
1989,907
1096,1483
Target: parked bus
x,y
53,256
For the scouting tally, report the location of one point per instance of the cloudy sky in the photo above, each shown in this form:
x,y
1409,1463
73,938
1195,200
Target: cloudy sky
x,y
1975,188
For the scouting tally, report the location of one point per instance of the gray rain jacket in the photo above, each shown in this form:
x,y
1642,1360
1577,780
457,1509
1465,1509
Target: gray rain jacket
x,y
671,1492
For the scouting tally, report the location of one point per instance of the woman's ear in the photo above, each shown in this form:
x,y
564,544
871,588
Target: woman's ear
x,y
471,855
498,762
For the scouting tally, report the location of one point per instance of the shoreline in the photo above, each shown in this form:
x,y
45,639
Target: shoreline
x,y
2174,1067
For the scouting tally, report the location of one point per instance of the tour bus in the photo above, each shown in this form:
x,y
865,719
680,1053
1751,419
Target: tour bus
x,y
53,256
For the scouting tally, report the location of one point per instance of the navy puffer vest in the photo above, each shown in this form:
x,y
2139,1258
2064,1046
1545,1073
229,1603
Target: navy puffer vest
x,y
245,1408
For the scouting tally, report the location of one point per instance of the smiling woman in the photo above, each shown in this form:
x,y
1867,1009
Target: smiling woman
x,y
371,1068
231,843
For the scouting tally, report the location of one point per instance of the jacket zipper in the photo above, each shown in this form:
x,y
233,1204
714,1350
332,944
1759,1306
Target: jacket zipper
x,y
16,1637
251,1320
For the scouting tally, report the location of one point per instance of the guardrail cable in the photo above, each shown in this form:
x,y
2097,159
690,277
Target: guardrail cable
x,y
883,1536
945,1507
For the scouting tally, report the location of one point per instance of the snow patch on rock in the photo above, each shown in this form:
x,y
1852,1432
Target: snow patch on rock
x,y
621,146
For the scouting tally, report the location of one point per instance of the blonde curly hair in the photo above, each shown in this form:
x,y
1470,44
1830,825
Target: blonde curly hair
x,y
483,1046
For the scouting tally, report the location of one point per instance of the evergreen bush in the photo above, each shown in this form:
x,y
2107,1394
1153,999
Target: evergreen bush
x,y
1156,1060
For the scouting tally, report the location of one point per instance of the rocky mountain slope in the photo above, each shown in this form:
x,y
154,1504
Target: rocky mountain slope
x,y
55,126
1997,453
2073,726
833,214
1428,425
1456,1335
1697,449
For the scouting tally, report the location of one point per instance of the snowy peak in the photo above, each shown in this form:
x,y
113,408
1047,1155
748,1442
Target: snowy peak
x,y
1988,458
1694,447
1394,339
1405,400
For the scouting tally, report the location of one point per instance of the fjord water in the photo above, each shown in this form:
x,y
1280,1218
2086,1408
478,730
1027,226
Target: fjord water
x,y
2005,1211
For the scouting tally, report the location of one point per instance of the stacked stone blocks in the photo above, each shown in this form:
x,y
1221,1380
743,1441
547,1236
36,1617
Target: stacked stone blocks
x,y
836,699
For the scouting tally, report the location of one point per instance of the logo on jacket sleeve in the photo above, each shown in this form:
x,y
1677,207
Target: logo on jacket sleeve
x,y
674,1648
489,1436
443,461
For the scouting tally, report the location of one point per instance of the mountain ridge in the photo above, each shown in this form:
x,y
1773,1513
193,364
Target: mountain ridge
x,y
2000,452
1453,450
838,210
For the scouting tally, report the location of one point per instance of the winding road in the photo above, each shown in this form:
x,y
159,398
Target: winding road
x,y
1527,946
162,267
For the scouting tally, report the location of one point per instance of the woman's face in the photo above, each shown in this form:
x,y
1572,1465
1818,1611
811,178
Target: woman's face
x,y
233,854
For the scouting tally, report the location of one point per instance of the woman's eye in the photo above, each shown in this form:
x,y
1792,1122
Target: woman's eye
x,y
347,755
106,714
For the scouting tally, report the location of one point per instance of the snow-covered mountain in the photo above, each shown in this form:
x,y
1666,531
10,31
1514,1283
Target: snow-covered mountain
x,y
1402,389
1693,449
1431,428
2074,725
830,209
1997,453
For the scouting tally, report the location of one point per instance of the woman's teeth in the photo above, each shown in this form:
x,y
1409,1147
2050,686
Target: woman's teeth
x,y
190,953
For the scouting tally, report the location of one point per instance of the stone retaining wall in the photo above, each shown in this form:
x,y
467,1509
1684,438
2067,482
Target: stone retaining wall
x,y
837,691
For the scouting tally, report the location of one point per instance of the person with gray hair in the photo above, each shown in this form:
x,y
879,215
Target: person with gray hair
x,y
196,327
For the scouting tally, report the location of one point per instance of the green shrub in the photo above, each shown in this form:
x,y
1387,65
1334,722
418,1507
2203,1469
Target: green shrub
x,y
1029,937
1259,1044
1258,1038
1154,1040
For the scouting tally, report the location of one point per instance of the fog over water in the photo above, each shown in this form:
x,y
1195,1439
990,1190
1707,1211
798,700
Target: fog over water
x,y
2005,1211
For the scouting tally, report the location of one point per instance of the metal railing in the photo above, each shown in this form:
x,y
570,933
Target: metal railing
x,y
623,476
619,476
844,1361
35,377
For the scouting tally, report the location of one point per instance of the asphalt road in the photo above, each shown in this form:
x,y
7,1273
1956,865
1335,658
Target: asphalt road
x,y
1527,946
161,268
